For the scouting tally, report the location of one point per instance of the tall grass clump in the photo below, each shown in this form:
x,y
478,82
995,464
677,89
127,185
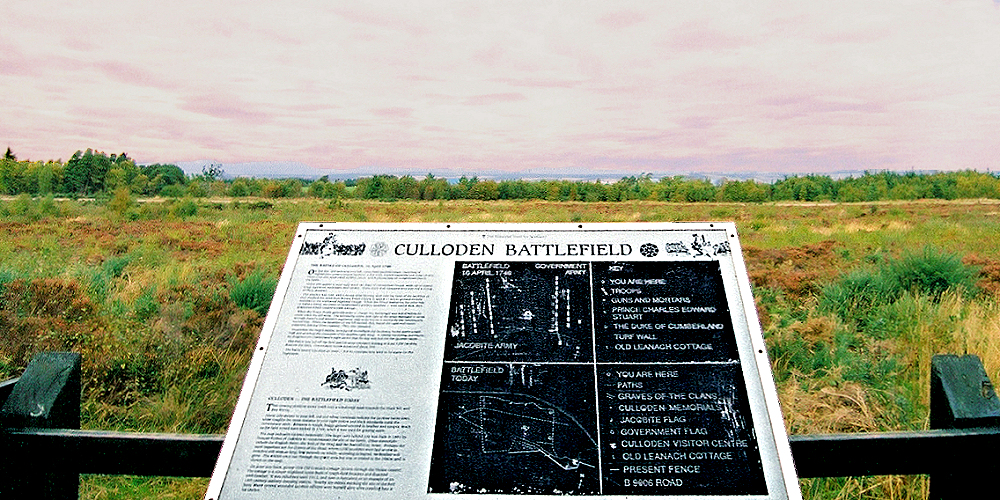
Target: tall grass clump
x,y
101,280
933,272
253,292
146,305
857,294
861,295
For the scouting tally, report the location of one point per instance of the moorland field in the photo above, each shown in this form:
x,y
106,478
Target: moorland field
x,y
165,298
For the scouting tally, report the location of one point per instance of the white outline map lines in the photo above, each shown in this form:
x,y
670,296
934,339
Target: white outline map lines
x,y
532,436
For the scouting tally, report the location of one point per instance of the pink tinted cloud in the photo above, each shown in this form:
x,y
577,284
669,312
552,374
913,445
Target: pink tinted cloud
x,y
491,56
25,60
381,21
14,62
540,82
225,106
342,122
801,106
700,36
489,99
133,74
621,19
393,112
77,41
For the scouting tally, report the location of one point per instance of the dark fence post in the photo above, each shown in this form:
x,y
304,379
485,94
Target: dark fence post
x,y
962,397
47,395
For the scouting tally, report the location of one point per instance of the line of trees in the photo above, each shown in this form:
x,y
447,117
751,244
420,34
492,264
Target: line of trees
x,y
871,186
90,173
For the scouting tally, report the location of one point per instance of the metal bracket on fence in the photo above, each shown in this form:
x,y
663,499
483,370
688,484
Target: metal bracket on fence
x,y
962,397
6,386
47,395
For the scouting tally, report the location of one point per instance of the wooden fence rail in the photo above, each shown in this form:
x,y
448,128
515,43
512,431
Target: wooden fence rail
x,y
959,454
816,455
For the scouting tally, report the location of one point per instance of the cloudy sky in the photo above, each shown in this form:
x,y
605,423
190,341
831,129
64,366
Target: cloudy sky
x,y
524,87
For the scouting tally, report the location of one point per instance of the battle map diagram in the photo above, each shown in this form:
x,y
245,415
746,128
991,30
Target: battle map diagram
x,y
592,379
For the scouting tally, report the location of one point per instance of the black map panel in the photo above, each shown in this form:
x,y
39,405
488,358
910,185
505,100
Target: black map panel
x,y
519,311
600,378
516,428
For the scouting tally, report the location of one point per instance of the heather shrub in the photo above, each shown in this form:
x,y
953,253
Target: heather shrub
x,y
253,292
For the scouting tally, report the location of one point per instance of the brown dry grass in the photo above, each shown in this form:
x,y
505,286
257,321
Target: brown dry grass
x,y
796,270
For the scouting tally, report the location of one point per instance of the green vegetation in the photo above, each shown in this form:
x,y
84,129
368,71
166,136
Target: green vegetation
x,y
861,295
90,173
254,292
165,299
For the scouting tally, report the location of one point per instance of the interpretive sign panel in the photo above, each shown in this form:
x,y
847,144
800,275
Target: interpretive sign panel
x,y
493,360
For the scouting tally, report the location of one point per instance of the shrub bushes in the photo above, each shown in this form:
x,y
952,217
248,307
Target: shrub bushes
x,y
933,272
930,272
254,292
42,314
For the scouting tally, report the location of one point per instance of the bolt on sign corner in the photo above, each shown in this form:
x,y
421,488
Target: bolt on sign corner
x,y
502,360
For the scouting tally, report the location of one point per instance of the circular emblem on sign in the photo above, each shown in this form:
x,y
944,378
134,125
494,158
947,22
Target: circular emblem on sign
x,y
379,249
649,250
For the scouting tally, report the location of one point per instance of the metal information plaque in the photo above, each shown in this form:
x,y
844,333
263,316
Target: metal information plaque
x,y
404,361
